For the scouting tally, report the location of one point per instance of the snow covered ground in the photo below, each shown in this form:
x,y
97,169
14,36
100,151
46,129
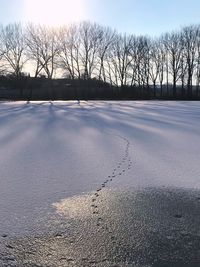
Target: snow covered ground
x,y
57,159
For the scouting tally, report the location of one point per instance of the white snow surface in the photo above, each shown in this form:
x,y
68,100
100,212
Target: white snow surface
x,y
54,150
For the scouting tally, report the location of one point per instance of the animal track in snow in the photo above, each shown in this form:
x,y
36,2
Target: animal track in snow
x,y
121,167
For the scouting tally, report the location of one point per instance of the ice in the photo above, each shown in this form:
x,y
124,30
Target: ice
x,y
51,151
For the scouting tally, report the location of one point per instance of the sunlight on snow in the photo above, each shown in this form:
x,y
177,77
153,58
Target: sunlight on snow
x,y
74,207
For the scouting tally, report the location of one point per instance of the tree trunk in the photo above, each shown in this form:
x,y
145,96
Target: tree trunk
x,y
154,88
174,86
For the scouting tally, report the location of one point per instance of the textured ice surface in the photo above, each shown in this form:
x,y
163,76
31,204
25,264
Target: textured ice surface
x,y
56,158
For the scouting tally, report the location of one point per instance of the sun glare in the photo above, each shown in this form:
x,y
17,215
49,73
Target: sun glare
x,y
53,12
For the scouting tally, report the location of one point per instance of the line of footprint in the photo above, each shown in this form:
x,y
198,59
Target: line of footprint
x,y
123,165
118,171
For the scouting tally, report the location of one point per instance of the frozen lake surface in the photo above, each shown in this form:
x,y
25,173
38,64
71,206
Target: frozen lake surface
x,y
100,183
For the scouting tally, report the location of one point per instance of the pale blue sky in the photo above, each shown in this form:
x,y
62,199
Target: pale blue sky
x,y
151,17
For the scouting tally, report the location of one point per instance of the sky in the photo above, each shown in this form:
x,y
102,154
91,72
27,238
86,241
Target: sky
x,y
151,17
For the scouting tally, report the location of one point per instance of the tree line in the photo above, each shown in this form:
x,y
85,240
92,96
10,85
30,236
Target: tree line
x,y
165,65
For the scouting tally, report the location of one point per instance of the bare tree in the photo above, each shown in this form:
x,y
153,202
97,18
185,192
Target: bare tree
x,y
107,37
91,36
2,67
13,47
162,65
69,57
197,70
154,63
33,50
43,48
174,48
189,39
120,58
143,61
134,65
